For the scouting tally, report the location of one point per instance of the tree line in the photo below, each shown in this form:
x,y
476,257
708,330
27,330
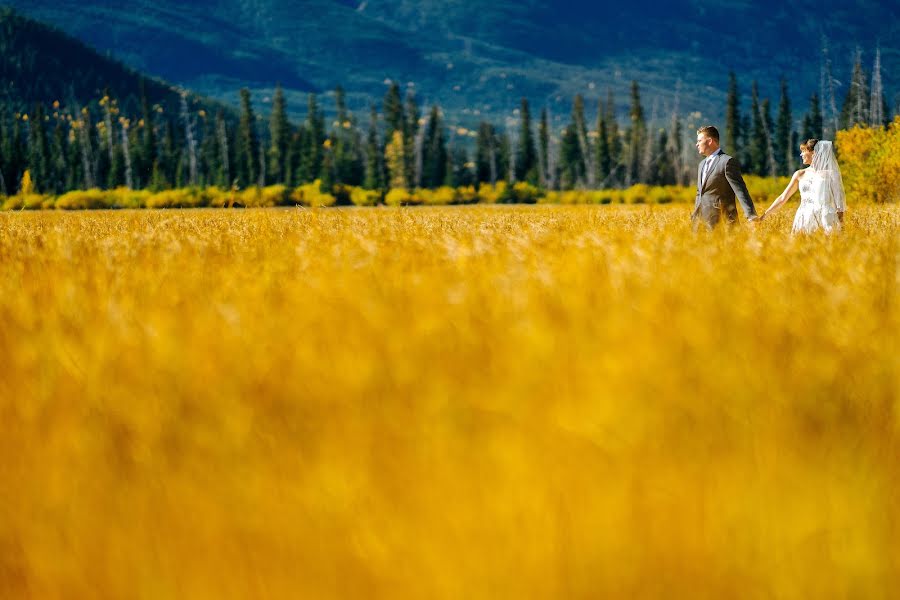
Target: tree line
x,y
155,147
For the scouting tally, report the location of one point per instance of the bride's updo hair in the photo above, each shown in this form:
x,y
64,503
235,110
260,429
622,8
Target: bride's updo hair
x,y
809,144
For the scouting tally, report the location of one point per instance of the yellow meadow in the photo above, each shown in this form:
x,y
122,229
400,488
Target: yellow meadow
x,y
447,402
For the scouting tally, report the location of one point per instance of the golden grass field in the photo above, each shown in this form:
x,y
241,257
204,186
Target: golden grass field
x,y
460,402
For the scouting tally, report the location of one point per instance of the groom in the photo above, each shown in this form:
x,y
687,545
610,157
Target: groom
x,y
719,182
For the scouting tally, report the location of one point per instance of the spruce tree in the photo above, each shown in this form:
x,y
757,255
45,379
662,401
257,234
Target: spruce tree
x,y
279,134
39,151
855,110
247,151
784,153
393,111
315,127
585,151
616,149
637,136
412,140
374,175
526,155
733,119
570,160
756,151
434,159
486,150
544,150
603,151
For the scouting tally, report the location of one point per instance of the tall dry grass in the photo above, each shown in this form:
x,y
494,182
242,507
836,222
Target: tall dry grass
x,y
447,403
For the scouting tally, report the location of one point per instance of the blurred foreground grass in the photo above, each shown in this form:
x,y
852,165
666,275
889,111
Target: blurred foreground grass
x,y
447,403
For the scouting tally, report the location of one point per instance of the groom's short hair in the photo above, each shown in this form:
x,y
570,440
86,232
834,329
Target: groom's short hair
x,y
709,131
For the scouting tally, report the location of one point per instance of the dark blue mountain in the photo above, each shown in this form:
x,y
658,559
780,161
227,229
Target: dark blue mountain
x,y
477,59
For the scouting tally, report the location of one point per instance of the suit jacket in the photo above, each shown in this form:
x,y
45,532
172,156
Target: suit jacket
x,y
716,195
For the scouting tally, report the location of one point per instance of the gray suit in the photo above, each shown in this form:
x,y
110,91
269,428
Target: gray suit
x,y
716,193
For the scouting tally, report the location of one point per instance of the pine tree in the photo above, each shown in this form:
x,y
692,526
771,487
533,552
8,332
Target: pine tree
x,y
616,149
813,122
604,158
347,147
413,140
486,159
526,155
393,111
544,150
279,134
585,170
39,151
733,119
226,149
374,176
247,151
855,110
148,154
571,162
434,160
637,136
756,151
315,126
784,153
459,172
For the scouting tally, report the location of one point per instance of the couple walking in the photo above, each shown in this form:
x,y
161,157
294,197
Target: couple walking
x,y
719,184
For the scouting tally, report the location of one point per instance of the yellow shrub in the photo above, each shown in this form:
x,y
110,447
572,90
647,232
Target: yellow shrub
x,y
81,199
363,197
180,198
492,194
443,196
525,193
397,197
310,194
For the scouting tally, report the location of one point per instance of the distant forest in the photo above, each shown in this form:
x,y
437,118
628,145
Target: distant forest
x,y
140,133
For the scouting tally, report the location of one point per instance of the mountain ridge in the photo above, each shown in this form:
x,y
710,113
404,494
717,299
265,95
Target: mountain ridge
x,y
478,59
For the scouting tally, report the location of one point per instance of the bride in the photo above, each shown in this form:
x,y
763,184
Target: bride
x,y
822,201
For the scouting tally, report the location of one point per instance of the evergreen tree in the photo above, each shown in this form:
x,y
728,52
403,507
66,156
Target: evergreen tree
x,y
39,151
855,110
487,168
544,150
526,155
459,172
733,120
784,152
663,171
247,151
637,136
571,163
374,176
584,153
616,147
393,111
412,141
279,135
348,159
164,175
147,154
434,155
504,157
604,158
813,122
315,125
756,150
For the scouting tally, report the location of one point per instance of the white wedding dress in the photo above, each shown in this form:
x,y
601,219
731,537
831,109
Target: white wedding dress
x,y
818,207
